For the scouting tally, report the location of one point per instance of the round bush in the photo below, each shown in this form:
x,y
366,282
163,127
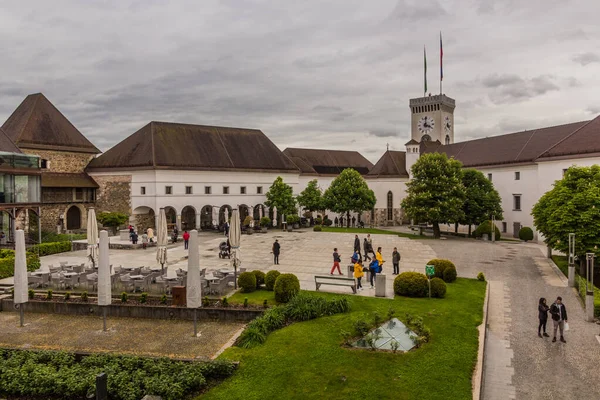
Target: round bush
x,y
411,284
481,277
317,228
440,265
270,279
247,282
450,274
486,228
260,277
438,288
525,233
286,287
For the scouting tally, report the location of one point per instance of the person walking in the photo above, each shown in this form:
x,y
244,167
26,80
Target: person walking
x,y
150,233
353,221
358,274
374,270
144,241
275,250
336,262
396,261
370,242
336,221
543,316
186,239
366,249
357,245
379,259
134,237
559,317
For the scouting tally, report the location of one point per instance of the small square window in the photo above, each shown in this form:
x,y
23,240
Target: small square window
x,y
517,202
517,176
207,190
259,190
143,190
225,189
242,189
504,227
79,194
490,177
44,164
564,171
168,189
188,190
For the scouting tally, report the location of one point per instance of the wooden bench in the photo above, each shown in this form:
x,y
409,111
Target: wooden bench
x,y
335,281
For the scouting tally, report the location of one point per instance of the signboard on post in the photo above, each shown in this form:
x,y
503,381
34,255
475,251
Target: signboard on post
x,y
429,271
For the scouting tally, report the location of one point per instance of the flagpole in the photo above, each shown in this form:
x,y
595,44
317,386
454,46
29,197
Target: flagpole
x,y
424,72
441,63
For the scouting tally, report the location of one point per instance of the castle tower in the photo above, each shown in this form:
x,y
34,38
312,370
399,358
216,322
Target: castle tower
x,y
432,118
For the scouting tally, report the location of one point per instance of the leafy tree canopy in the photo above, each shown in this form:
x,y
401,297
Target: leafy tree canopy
x,y
349,193
112,219
481,201
311,198
281,195
435,194
571,206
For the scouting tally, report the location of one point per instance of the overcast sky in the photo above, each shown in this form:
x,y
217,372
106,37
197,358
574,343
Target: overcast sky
x,y
324,74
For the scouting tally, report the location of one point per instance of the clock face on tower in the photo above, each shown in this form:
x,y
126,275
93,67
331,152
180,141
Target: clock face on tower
x,y
426,124
447,124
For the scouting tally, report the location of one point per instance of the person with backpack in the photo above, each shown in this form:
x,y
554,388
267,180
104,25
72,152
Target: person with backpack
x,y
358,274
356,244
336,262
396,261
374,269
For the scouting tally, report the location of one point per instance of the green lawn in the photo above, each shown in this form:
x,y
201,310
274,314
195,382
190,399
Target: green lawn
x,y
257,297
562,262
374,231
306,360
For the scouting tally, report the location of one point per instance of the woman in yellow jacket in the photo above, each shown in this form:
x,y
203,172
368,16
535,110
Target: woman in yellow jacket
x,y
379,259
358,274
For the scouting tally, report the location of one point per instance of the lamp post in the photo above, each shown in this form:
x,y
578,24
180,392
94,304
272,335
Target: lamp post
x,y
589,288
571,260
493,229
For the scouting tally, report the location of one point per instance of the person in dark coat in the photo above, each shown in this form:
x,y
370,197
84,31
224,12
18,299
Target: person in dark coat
x,y
396,261
336,221
353,221
276,249
357,245
559,317
134,237
366,249
543,316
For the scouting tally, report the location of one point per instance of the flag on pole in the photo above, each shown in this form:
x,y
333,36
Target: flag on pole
x,y
441,59
425,64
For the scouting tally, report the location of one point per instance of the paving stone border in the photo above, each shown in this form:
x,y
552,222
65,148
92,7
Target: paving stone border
x,y
477,379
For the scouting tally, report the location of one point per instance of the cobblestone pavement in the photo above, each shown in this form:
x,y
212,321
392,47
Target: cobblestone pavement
x,y
124,335
518,363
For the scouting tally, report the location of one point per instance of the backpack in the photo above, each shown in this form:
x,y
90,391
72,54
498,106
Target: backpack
x,y
374,266
354,258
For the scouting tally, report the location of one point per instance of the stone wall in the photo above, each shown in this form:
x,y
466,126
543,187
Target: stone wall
x,y
51,216
62,161
145,221
381,217
114,193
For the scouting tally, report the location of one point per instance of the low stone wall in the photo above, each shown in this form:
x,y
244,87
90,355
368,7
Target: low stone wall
x,y
134,311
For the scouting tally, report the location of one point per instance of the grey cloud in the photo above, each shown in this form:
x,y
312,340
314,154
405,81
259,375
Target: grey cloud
x,y
414,10
382,133
586,58
594,110
508,88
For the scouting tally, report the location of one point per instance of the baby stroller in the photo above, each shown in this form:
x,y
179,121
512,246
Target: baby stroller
x,y
224,250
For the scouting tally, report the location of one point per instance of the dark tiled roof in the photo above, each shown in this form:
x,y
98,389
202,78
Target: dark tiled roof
x,y
58,180
327,162
411,141
391,165
514,148
37,124
6,144
584,140
184,146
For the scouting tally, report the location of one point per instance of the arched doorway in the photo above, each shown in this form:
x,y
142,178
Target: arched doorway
x,y
390,206
244,212
224,214
206,217
188,218
73,218
144,218
257,212
171,216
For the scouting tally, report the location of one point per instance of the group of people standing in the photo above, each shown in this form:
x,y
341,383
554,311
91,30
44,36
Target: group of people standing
x,y
346,221
559,318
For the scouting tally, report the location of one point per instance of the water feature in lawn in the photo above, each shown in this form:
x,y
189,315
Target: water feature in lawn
x,y
388,334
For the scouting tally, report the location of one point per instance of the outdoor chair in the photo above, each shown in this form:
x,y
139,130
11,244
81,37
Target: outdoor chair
x,y
92,280
78,268
54,269
242,270
118,269
161,284
72,281
46,279
114,281
126,282
218,287
142,284
203,272
63,263
34,280
57,280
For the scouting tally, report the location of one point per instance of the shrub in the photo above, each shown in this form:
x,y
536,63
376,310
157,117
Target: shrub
x,y
317,228
361,327
286,287
251,337
481,277
438,288
450,274
485,227
248,220
30,294
67,296
265,222
144,298
163,299
225,302
245,302
265,303
205,301
46,249
290,219
49,295
411,284
318,221
84,296
124,297
440,265
247,282
525,233
270,279
7,263
260,278
328,222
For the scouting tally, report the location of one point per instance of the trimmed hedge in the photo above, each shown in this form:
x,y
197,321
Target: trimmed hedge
x,y
438,288
486,228
270,279
286,287
440,265
525,233
7,263
247,282
317,228
450,274
260,277
411,284
46,249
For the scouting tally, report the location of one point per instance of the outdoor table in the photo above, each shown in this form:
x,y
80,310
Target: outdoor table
x,y
155,269
166,278
211,278
226,271
137,276
69,274
39,273
131,268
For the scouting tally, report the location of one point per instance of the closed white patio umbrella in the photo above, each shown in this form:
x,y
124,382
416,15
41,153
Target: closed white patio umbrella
x,y
104,288
215,216
274,216
161,240
20,279
194,287
92,236
235,235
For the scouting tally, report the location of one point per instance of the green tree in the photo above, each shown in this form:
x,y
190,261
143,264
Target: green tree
x,y
482,200
281,195
311,198
571,206
112,219
435,194
349,193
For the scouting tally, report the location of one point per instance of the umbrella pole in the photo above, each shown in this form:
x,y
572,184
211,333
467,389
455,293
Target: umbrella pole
x,y
21,313
195,322
104,318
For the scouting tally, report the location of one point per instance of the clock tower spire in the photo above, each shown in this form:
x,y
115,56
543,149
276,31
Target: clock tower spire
x,y
432,118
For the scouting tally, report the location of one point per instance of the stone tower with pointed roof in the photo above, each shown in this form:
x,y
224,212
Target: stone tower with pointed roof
x,y
38,128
